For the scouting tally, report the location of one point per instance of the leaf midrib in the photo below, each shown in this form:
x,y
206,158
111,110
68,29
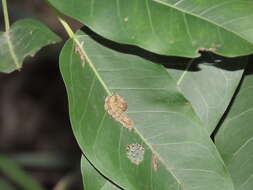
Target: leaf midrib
x,y
11,48
203,18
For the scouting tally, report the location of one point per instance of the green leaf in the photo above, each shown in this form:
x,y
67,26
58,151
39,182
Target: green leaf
x,y
172,27
24,38
92,179
5,185
17,174
166,146
209,86
235,137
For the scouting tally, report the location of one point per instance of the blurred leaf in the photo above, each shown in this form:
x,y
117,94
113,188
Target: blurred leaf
x,y
92,179
4,185
235,137
18,175
41,160
166,146
24,39
210,86
65,182
172,27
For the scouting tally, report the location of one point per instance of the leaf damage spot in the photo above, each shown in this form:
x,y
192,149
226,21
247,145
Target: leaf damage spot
x,y
79,51
115,106
135,153
213,48
154,162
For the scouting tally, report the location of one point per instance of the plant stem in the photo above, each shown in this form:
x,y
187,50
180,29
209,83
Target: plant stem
x,y
6,15
80,46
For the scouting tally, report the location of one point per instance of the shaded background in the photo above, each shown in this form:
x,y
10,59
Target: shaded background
x,y
34,123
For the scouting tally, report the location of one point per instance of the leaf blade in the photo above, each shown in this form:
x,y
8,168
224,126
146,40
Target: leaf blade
x,y
237,152
25,38
151,94
210,85
166,29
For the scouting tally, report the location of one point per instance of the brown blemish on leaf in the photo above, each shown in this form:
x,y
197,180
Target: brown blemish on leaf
x,y
79,51
115,106
154,162
201,49
135,153
214,48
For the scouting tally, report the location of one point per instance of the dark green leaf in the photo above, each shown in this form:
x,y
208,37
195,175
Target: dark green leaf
x,y
176,149
24,39
172,27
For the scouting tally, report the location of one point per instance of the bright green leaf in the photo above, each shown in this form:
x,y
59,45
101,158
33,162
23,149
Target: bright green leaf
x,y
210,86
92,179
24,38
175,147
235,137
172,27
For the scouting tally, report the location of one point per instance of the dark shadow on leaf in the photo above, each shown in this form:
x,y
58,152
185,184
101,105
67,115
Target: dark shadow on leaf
x,y
248,71
224,116
171,62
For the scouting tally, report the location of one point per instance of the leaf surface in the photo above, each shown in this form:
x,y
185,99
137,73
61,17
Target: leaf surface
x,y
92,179
24,38
209,86
171,27
168,147
235,137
